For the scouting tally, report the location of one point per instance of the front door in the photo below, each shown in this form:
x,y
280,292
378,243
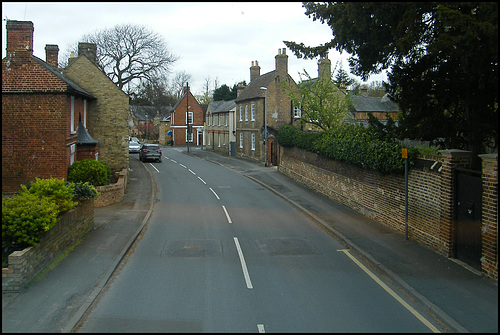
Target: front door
x,y
468,209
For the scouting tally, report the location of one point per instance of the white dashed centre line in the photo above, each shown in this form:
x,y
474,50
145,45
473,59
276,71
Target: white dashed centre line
x,y
243,264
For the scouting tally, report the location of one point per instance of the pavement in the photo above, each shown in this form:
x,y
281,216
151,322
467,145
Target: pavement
x,y
458,295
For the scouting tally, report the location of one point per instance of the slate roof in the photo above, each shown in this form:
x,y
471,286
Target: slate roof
x,y
84,137
224,106
140,112
253,90
374,104
213,105
72,86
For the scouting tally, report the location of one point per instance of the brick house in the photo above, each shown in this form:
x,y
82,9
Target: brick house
x,y
187,112
108,114
44,113
250,110
220,127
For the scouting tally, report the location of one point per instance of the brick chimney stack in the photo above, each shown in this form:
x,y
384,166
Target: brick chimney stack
x,y
254,70
52,54
239,89
324,66
19,38
89,50
281,61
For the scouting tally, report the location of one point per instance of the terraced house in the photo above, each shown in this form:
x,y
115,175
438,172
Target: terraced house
x,y
220,127
262,104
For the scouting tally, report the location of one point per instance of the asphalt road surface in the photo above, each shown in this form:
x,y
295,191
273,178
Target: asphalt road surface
x,y
223,254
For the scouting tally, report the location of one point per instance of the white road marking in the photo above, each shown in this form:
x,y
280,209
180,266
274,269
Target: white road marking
x,y
184,166
154,167
227,215
243,264
214,194
391,292
202,180
174,161
260,327
192,171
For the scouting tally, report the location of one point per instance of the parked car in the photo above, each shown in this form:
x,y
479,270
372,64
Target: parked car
x,y
134,139
134,147
150,151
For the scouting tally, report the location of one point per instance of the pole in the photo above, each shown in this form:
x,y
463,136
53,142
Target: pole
x,y
187,115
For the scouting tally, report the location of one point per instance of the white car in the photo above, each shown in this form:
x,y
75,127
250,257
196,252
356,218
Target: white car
x,y
134,147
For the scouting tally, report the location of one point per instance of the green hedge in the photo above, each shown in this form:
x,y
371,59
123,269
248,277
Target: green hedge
x,y
91,171
352,144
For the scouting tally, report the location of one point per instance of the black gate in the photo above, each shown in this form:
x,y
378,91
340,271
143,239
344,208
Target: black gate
x,y
468,209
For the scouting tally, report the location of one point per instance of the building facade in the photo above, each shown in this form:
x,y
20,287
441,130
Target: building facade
x,y
186,121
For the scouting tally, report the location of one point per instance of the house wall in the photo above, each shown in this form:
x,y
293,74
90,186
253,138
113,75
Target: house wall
x,y
178,120
35,135
382,197
107,117
249,127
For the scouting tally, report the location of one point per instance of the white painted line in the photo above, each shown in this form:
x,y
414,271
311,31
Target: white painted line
x,y
214,193
154,167
261,329
184,166
174,161
227,215
243,264
391,292
202,180
192,171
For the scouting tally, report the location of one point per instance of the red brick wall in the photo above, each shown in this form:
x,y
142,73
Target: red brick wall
x,y
179,119
490,216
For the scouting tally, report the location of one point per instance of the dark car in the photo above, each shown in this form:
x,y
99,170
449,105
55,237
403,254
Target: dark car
x,y
150,152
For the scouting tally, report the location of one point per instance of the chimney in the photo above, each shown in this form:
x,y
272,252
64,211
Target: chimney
x,y
281,61
51,54
239,89
254,70
364,91
19,38
71,58
89,50
324,66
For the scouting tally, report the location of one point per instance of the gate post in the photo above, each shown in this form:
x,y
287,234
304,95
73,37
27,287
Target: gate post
x,y
489,225
450,160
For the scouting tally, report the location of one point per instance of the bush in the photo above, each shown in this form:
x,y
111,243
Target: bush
x,y
55,190
91,171
85,191
24,220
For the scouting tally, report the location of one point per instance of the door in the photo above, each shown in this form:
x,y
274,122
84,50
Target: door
x,y
468,209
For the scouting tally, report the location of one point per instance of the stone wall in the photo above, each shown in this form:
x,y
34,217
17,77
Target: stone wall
x,y
112,193
25,264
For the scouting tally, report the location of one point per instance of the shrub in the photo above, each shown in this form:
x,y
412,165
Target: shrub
x,y
91,171
24,220
85,191
55,190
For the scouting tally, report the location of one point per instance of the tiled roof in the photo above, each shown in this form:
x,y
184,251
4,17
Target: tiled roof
x,y
72,86
373,104
149,112
253,90
225,106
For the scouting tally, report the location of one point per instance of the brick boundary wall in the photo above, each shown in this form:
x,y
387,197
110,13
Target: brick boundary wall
x,y
25,264
382,197
113,193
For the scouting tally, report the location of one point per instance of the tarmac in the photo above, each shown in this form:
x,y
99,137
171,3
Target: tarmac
x,y
459,296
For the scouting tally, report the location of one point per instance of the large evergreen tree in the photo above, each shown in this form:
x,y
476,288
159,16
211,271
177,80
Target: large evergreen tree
x,y
442,60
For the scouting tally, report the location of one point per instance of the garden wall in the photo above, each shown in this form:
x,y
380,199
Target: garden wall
x,y
112,193
25,264
382,197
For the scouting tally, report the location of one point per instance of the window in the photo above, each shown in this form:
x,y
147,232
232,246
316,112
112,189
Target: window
x,y
208,139
253,112
72,115
225,119
218,138
246,112
241,113
218,119
72,153
85,113
253,141
297,112
190,118
189,136
241,140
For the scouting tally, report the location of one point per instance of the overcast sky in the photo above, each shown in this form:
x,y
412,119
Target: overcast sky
x,y
212,40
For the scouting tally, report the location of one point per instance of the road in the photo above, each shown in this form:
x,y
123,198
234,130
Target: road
x,y
223,254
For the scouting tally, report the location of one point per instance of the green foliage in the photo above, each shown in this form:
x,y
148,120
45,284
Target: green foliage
x,y
349,143
85,191
55,190
24,220
89,170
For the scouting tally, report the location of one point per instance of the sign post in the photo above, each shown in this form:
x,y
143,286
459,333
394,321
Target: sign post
x,y
405,156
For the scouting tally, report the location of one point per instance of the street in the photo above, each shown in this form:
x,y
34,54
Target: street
x,y
223,254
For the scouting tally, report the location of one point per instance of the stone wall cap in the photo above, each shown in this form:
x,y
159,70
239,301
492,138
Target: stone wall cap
x,y
489,157
455,151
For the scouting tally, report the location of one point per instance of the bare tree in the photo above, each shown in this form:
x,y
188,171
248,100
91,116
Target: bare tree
x,y
179,82
128,54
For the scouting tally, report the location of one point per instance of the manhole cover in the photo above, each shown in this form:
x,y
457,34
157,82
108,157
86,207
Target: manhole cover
x,y
286,247
192,248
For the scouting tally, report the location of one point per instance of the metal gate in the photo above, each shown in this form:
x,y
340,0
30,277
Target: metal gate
x,y
468,209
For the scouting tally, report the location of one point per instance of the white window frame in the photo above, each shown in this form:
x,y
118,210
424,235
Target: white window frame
x,y
218,138
72,150
241,140
297,112
85,113
246,112
241,113
189,138
253,141
72,127
189,116
252,108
